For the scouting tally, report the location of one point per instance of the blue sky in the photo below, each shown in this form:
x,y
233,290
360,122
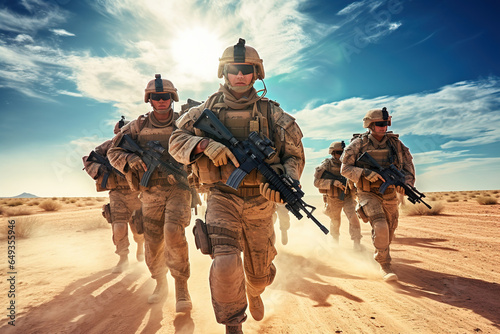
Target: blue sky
x,y
69,69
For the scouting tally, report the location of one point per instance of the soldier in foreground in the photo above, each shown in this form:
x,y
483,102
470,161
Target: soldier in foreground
x,y
381,210
122,200
165,204
239,220
337,195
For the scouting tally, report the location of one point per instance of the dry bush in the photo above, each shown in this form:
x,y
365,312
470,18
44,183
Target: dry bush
x,y
101,199
495,192
89,203
73,200
486,200
33,203
50,205
96,223
15,202
420,209
24,227
452,200
18,211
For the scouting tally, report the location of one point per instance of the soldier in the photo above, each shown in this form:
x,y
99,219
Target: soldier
x,y
165,205
282,213
239,221
381,210
337,195
122,201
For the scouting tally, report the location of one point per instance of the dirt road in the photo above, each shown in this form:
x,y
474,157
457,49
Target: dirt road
x,y
449,281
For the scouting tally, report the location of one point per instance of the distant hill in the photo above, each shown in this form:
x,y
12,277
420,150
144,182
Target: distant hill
x,y
25,195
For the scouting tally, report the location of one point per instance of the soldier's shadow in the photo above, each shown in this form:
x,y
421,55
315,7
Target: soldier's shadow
x,y
86,306
302,277
479,296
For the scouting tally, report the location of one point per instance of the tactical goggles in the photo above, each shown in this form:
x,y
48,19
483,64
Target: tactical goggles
x,y
161,96
237,68
338,152
382,123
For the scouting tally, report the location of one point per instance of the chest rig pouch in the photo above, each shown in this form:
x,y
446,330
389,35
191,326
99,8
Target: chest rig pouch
x,y
241,123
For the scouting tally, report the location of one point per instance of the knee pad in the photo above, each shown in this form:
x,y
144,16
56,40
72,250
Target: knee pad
x,y
225,266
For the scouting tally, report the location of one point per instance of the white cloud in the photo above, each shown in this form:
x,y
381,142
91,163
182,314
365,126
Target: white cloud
x,y
61,32
24,38
43,14
445,112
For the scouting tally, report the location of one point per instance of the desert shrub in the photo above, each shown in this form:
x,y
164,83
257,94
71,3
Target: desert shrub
x,y
432,198
33,203
446,194
89,203
95,223
24,227
15,202
452,200
486,200
473,196
18,211
50,205
495,192
101,199
73,200
420,209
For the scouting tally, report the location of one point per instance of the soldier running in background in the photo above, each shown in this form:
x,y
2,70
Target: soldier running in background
x,y
165,204
381,210
122,200
337,195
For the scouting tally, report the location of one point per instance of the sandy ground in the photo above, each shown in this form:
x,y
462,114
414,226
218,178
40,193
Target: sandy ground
x,y
447,265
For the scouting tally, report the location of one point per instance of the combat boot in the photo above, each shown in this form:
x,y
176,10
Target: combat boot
x,y
182,298
234,329
387,273
256,307
160,290
284,237
121,265
139,255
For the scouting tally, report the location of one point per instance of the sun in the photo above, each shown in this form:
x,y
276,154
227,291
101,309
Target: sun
x,y
196,52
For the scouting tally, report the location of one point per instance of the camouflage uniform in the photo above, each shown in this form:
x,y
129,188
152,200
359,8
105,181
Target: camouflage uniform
x,y
166,206
380,210
240,221
334,205
122,202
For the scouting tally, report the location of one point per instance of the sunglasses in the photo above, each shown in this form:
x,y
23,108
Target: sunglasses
x,y
161,96
243,68
381,124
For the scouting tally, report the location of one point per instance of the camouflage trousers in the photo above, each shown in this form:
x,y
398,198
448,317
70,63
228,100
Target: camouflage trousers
x,y
382,212
283,215
166,213
333,210
230,278
122,203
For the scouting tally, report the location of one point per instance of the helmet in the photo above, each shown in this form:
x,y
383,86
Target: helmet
x,y
336,146
160,85
119,125
376,115
240,53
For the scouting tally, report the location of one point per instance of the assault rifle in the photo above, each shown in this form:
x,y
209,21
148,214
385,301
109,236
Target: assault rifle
x,y
330,176
393,176
96,157
152,157
251,154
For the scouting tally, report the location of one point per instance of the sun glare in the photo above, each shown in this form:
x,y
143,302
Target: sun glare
x,y
197,52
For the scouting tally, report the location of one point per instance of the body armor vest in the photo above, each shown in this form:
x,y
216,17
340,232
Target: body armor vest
x,y
333,167
385,153
148,132
240,122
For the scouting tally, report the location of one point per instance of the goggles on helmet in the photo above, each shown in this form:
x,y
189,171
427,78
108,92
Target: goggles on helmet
x,y
381,124
160,96
237,68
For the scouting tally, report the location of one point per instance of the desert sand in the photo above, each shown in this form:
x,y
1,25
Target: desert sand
x,y
447,264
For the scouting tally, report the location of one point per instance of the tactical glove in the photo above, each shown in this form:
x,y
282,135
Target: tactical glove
x,y
269,194
372,176
338,184
220,154
400,190
136,163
